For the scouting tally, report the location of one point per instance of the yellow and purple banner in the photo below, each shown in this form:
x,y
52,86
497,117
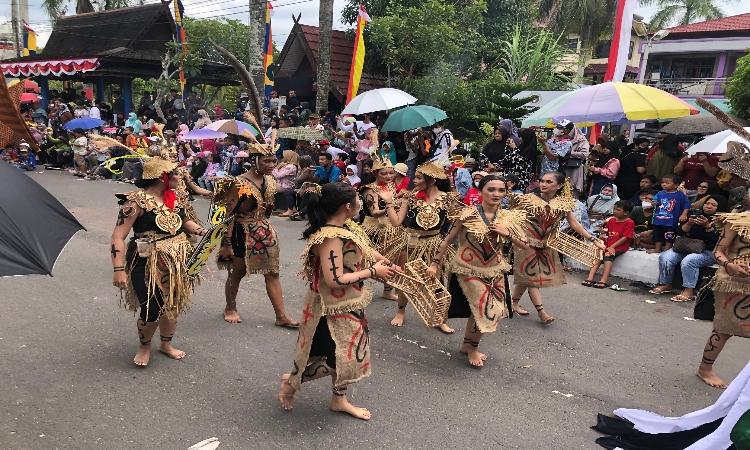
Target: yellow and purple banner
x,y
268,56
181,37
358,55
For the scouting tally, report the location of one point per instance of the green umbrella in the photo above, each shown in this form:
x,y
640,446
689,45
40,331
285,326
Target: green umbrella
x,y
412,117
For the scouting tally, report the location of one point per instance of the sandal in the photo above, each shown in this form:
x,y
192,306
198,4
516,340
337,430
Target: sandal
x,y
287,324
588,283
659,291
599,285
682,298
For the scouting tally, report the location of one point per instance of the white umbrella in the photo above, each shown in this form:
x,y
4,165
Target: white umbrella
x,y
378,100
717,143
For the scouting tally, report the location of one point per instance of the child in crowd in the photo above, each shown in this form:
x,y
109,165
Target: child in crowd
x,y
642,216
9,153
670,209
512,185
26,159
620,230
474,195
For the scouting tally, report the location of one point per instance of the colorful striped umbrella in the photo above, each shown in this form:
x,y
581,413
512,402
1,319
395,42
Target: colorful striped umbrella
x,y
231,126
612,102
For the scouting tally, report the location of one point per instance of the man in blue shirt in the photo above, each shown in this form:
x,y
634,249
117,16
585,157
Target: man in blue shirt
x,y
326,172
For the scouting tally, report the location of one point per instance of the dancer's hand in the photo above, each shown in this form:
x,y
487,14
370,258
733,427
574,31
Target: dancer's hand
x,y
120,280
387,196
500,229
737,270
598,242
432,270
383,270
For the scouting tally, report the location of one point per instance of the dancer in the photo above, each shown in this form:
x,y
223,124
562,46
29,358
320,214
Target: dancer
x,y
388,240
731,287
152,267
477,284
251,245
536,265
423,214
333,339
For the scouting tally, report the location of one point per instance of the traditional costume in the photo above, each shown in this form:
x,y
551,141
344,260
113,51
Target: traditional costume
x,y
538,266
732,294
157,254
388,240
477,281
334,334
252,236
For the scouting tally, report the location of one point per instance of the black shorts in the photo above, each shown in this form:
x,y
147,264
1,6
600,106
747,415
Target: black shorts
x,y
613,257
662,234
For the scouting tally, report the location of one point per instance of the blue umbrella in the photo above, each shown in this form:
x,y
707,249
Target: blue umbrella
x,y
413,117
83,123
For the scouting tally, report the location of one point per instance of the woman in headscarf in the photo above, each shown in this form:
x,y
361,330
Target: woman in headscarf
x,y
602,204
516,164
664,157
579,151
512,129
604,170
134,123
203,119
530,154
496,149
352,176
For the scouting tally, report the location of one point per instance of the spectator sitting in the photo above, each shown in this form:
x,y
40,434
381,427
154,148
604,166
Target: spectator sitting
x,y
619,231
692,250
238,164
352,177
702,193
602,205
400,179
607,165
26,159
9,153
642,216
473,196
647,183
306,175
670,209
211,172
327,172
512,185
286,175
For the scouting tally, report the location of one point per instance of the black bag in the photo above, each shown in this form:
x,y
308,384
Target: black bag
x,y
704,301
684,244
573,163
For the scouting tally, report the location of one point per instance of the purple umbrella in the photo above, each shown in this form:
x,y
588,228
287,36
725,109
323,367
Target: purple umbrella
x,y
203,133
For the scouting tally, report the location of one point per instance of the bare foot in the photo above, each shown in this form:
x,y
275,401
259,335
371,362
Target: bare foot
x,y
467,349
286,323
169,350
398,320
390,295
286,393
232,316
476,358
143,356
710,378
444,328
341,404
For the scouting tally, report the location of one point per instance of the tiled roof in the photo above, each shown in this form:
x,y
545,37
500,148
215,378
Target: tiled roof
x,y
733,23
342,48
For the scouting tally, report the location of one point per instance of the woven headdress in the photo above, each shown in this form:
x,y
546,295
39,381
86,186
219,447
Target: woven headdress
x,y
155,166
380,162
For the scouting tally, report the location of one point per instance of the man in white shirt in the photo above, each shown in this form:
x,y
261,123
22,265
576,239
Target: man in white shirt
x,y
94,112
443,138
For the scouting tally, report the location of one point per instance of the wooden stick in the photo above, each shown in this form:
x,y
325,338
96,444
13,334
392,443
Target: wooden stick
x,y
724,118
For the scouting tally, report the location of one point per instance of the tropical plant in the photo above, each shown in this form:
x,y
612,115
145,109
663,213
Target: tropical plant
x,y
738,90
533,57
681,12
58,8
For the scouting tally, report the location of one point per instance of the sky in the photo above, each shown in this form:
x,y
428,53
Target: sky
x,y
282,19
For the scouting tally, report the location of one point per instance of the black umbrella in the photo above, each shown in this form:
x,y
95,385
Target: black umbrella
x,y
34,226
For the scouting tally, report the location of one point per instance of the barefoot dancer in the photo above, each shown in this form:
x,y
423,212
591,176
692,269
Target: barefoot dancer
x,y
251,245
477,284
388,240
731,287
155,278
423,214
536,265
333,338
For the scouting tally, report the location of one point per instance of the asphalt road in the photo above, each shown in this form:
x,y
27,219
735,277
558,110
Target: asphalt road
x,y
68,381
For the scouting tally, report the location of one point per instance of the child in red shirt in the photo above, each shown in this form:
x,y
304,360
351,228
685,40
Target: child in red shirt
x,y
620,232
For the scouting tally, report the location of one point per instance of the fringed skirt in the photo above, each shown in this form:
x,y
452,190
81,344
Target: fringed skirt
x,y
389,240
165,273
338,341
537,267
257,242
731,305
481,297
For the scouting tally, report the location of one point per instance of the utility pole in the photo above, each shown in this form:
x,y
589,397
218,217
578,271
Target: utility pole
x,y
16,26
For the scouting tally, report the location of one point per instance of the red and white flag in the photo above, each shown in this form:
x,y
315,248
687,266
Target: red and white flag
x,y
620,46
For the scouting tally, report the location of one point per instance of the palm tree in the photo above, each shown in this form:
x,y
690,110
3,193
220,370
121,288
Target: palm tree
x,y
325,24
57,8
589,19
682,12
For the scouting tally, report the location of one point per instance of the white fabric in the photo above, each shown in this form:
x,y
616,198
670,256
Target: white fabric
x,y
94,113
717,143
732,404
378,100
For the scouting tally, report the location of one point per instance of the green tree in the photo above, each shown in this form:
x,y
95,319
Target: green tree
x,y
682,12
57,8
738,90
229,33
